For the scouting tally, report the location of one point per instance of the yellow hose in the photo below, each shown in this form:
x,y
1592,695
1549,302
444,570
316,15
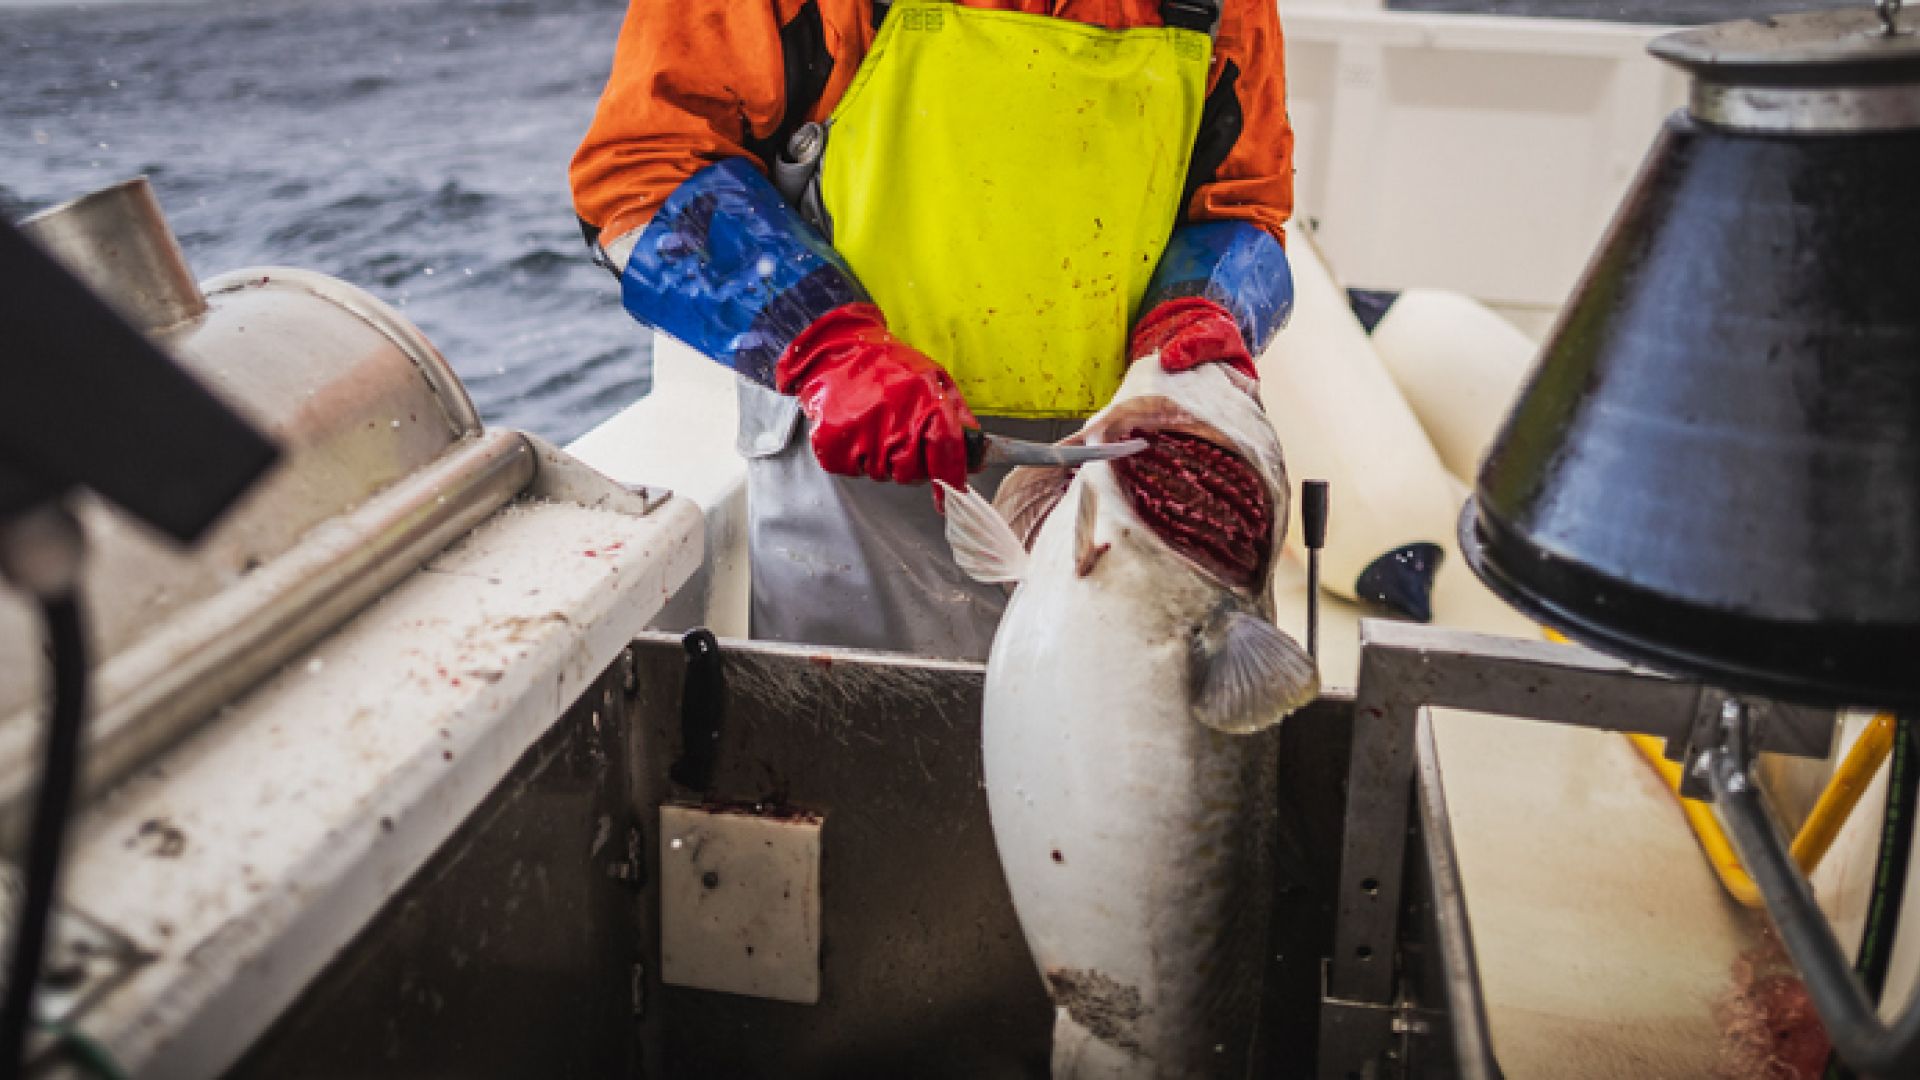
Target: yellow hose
x,y
1835,804
1843,791
1713,842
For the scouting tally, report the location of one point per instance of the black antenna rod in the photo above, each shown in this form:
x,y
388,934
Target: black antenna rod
x,y
1313,521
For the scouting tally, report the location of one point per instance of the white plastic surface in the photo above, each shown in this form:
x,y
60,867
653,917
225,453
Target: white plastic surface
x,y
740,902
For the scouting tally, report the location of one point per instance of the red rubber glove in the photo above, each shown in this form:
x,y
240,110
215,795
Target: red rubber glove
x,y
1189,332
880,408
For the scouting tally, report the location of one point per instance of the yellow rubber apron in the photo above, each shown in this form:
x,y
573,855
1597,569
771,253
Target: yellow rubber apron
x,y
1003,184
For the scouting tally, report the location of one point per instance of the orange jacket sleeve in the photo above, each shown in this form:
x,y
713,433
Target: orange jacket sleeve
x,y
1254,181
692,80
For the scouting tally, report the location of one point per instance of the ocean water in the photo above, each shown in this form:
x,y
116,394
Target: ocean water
x,y
417,148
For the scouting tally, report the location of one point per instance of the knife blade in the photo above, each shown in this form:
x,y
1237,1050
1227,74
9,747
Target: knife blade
x,y
984,450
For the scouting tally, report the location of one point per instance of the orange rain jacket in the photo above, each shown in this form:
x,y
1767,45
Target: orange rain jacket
x,y
697,81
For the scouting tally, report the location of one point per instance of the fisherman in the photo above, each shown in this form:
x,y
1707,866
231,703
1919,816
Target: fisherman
x,y
1016,199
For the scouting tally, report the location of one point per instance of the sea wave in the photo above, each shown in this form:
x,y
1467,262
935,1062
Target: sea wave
x,y
417,148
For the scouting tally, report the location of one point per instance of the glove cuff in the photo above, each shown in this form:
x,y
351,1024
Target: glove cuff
x,y
1239,265
1191,331
823,339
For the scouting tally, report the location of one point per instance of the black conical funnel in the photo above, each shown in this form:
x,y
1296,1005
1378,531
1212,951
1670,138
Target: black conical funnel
x,y
1715,468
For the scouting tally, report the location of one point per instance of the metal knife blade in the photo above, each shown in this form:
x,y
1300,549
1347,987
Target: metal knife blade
x,y
984,449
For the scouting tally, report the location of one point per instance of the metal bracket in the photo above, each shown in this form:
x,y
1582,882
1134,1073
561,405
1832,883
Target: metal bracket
x,y
1788,729
1405,668
561,477
1388,1031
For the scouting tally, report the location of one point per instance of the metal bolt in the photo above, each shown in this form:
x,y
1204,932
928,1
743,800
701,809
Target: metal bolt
x,y
629,671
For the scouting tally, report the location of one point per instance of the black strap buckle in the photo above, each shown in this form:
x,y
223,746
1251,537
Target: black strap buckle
x,y
1201,15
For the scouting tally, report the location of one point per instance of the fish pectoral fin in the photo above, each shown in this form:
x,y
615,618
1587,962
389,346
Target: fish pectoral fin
x,y
1029,494
1248,674
983,545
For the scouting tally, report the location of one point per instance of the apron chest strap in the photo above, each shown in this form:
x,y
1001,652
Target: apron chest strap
x,y
1201,15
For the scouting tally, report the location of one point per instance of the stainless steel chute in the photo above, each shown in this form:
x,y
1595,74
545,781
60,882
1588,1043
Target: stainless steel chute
x,y
386,464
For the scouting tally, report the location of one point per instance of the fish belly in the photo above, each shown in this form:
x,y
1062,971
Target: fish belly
x,y
1135,840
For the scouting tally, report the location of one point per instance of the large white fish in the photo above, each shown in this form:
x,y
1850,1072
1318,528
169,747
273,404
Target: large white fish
x,y
1131,696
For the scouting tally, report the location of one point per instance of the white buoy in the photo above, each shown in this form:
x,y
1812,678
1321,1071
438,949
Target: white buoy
x,y
1341,418
1458,364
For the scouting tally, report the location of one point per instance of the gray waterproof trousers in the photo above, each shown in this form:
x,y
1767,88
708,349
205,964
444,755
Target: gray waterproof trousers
x,y
853,562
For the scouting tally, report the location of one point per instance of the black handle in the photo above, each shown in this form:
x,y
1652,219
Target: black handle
x,y
1313,513
976,449
702,711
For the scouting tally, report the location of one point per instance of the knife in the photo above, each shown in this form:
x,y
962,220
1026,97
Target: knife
x,y
984,450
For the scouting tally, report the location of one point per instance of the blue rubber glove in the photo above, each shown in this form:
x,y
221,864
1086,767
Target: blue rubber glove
x,y
729,268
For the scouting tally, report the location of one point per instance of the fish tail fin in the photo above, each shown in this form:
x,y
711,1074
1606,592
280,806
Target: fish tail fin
x,y
983,544
1029,494
1248,674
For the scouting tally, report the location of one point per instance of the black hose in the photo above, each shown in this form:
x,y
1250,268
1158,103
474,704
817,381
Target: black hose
x,y
1889,873
1890,869
52,805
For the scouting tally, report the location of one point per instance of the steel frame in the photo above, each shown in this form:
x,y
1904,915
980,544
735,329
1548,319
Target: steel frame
x,y
1406,669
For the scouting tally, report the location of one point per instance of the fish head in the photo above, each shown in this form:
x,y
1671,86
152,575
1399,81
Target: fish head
x,y
1209,493
1212,484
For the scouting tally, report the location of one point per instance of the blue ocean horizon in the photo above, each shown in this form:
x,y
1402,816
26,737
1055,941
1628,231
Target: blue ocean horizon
x,y
417,148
